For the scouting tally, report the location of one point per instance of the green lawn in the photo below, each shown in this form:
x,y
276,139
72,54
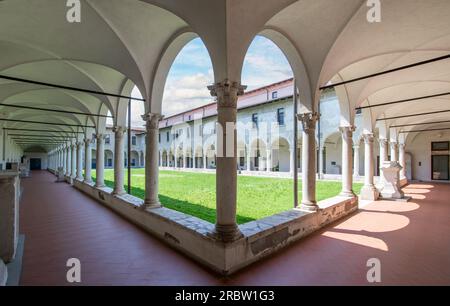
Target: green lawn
x,y
194,193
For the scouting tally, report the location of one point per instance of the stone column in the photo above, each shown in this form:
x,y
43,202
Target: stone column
x,y
119,160
384,151
249,159
356,157
80,161
402,160
204,161
226,174
184,160
175,159
63,153
308,122
100,163
87,161
321,169
368,192
68,161
151,161
73,171
269,161
292,157
347,161
194,160
394,151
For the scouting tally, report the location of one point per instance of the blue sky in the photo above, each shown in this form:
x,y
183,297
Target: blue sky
x,y
192,71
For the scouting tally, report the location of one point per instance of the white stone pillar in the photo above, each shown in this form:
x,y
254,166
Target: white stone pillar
x,y
194,160
249,158
184,160
292,157
402,160
204,161
321,170
68,160
119,160
356,157
73,158
394,151
80,161
368,192
347,161
176,159
227,93
308,122
100,161
384,151
269,160
87,161
151,162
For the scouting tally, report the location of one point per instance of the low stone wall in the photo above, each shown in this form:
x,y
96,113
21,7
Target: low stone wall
x,y
191,235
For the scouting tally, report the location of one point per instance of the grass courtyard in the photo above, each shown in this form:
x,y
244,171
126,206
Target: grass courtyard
x,y
194,193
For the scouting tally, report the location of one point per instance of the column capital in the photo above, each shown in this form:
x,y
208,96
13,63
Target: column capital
x,y
227,92
394,145
401,145
152,120
87,141
119,130
100,136
308,120
383,142
368,138
347,131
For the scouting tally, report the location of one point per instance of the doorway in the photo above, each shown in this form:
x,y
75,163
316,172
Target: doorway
x,y
35,164
440,167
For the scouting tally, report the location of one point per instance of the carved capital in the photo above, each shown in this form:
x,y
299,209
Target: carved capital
x,y
227,93
152,120
347,131
119,130
394,145
100,137
383,142
368,138
308,121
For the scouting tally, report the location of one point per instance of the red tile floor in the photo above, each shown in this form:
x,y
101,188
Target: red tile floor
x,y
410,239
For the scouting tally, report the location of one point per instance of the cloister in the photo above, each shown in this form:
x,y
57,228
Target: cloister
x,y
64,81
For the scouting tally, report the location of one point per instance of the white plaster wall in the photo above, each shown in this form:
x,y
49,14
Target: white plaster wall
x,y
420,148
42,156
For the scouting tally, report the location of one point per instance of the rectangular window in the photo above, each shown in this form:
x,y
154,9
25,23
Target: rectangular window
x,y
440,146
167,136
159,137
133,140
274,94
255,120
107,139
280,116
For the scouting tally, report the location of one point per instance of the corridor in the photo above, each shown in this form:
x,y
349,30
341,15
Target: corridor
x,y
59,222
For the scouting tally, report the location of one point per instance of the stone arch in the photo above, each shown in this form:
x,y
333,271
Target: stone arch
x,y
280,155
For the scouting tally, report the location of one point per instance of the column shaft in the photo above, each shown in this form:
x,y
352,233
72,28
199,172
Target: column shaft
x,y
226,173
368,192
73,171
356,157
87,161
100,161
119,161
347,162
402,160
151,161
308,121
79,161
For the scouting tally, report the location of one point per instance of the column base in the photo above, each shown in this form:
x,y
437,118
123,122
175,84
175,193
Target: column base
x,y
89,182
151,205
309,206
99,185
119,192
226,233
348,194
369,193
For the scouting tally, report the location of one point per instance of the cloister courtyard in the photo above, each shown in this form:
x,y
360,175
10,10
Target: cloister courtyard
x,y
224,142
193,193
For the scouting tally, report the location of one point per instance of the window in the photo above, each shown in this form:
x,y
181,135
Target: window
x,y
440,146
255,120
159,137
274,94
280,116
133,140
200,130
167,136
107,139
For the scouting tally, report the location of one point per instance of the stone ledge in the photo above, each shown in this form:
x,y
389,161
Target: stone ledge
x,y
191,235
